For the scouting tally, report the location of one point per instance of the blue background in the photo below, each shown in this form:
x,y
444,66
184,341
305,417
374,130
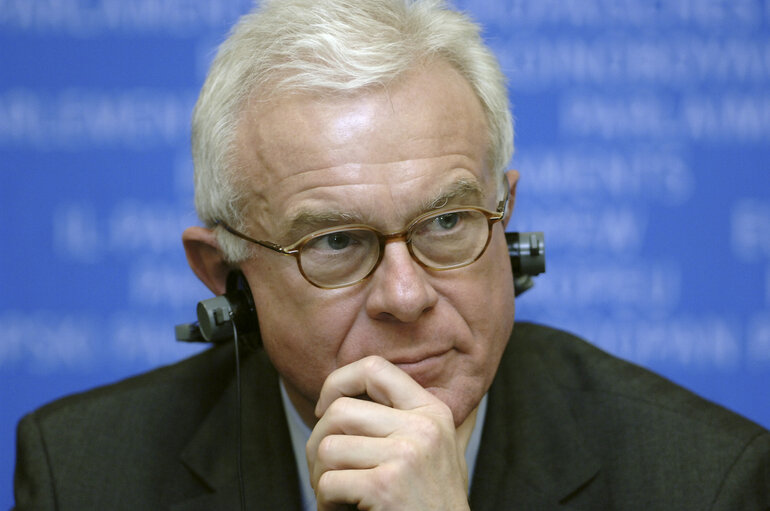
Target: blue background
x,y
643,133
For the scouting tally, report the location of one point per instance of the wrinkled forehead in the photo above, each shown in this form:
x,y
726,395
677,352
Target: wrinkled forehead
x,y
429,122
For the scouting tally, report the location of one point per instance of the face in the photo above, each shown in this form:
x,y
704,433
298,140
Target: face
x,y
380,158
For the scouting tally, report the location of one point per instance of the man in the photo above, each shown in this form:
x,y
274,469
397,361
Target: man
x,y
350,161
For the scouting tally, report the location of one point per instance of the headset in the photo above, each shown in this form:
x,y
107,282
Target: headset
x,y
234,313
222,317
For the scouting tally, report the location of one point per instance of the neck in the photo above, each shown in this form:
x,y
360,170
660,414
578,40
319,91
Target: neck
x,y
304,408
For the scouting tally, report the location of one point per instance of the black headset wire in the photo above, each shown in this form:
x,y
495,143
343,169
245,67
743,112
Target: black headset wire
x,y
238,421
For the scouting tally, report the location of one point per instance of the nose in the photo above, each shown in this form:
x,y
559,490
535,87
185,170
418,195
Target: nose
x,y
400,290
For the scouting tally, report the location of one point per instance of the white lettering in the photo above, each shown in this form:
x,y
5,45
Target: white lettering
x,y
77,118
172,286
75,232
654,175
686,342
153,228
616,13
627,117
85,18
750,230
147,340
758,346
726,118
131,227
612,230
682,61
636,287
46,341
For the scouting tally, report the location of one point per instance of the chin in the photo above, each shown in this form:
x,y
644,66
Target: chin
x,y
460,403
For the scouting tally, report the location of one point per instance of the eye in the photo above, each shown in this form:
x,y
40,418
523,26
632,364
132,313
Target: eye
x,y
340,243
447,221
337,240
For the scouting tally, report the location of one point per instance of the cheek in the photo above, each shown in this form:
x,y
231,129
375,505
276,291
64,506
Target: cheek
x,y
486,303
501,303
487,299
302,327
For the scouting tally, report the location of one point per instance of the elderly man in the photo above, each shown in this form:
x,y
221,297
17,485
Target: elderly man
x,y
350,161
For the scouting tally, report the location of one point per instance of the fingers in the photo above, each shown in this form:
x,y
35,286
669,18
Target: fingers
x,y
352,416
392,393
397,450
357,434
389,475
340,452
348,454
377,378
344,490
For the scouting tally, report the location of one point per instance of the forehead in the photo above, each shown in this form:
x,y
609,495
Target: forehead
x,y
374,154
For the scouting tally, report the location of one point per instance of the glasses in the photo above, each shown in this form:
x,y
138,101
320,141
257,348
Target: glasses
x,y
345,255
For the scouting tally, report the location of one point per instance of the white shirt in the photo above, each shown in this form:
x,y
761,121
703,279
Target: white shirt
x,y
300,434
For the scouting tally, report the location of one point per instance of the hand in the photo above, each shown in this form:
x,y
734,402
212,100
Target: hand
x,y
399,451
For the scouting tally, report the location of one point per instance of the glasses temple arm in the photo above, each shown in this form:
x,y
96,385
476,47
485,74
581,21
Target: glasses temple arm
x,y
262,243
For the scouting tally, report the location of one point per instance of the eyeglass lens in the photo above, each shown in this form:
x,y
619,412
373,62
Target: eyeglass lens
x,y
440,241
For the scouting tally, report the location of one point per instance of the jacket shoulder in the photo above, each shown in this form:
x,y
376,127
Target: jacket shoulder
x,y
657,442
122,436
194,381
580,368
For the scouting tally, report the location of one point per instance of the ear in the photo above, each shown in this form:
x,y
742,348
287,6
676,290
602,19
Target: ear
x,y
205,258
513,179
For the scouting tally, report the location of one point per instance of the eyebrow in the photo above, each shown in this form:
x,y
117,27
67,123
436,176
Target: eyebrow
x,y
466,192
309,221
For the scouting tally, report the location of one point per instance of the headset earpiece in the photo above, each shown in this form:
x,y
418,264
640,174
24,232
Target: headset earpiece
x,y
527,252
219,315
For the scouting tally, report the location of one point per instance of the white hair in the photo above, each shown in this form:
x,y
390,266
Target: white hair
x,y
325,47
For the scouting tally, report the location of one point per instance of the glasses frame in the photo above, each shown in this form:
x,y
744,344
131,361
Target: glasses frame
x,y
295,248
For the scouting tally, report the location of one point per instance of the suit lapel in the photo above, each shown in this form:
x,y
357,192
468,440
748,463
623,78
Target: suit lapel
x,y
269,470
532,453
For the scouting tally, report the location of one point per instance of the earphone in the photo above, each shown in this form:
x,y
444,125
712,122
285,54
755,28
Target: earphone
x,y
221,317
527,252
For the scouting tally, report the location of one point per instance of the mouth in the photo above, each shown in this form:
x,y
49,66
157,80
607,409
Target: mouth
x,y
424,369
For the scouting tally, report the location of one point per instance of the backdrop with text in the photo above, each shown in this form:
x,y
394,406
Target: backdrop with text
x,y
643,140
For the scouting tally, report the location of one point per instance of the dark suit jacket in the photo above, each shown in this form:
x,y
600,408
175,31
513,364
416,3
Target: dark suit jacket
x,y
568,427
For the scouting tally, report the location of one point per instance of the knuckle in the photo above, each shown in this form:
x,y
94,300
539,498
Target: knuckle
x,y
325,483
429,430
388,476
373,363
408,451
339,408
326,448
433,431
442,411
